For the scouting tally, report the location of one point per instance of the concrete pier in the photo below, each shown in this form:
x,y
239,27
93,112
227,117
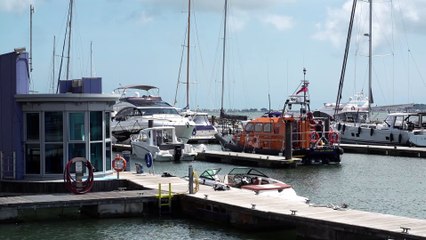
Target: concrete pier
x,y
248,159
236,207
400,151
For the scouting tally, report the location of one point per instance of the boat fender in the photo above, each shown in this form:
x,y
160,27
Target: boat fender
x,y
196,181
399,138
391,137
194,132
359,130
343,128
371,131
339,126
148,159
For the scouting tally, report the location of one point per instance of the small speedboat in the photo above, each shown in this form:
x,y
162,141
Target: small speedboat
x,y
163,144
249,179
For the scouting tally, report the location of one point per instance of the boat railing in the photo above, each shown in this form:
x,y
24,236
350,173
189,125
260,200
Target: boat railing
x,y
309,138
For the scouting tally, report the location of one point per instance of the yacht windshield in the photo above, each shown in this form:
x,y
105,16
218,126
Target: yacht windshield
x,y
152,111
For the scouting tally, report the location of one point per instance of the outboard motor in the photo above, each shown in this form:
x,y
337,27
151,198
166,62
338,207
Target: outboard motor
x,y
178,153
139,168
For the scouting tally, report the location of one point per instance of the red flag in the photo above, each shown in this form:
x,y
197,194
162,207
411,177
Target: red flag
x,y
304,88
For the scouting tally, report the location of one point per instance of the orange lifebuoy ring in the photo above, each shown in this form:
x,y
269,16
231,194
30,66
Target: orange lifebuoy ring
x,y
119,163
314,137
333,137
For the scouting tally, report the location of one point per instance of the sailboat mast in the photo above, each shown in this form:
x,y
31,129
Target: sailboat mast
x,y
91,59
53,64
223,56
187,53
31,37
370,58
69,39
345,60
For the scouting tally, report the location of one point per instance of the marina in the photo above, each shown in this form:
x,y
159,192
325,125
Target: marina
x,y
237,207
78,160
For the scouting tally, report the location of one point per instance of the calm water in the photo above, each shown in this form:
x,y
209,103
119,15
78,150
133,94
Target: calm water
x,y
392,185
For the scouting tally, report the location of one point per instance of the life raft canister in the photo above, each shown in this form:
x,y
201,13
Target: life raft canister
x,y
333,137
314,136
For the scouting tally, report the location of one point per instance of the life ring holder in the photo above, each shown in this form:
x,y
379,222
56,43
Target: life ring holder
x,y
333,137
119,163
314,136
76,184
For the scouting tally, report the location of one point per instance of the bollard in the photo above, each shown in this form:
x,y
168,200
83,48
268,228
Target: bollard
x,y
191,179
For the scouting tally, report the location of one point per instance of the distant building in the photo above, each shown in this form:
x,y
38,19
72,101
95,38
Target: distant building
x,y
39,133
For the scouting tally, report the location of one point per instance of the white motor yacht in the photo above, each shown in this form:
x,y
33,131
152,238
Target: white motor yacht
x,y
135,112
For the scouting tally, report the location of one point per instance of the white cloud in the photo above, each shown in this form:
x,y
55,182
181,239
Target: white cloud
x,y
407,16
144,18
282,23
15,5
240,12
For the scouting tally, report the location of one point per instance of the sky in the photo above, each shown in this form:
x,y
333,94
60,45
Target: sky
x,y
268,43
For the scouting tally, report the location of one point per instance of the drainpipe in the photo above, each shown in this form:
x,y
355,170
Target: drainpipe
x,y
14,165
1,165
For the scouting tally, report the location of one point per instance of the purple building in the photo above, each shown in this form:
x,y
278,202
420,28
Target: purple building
x,y
39,133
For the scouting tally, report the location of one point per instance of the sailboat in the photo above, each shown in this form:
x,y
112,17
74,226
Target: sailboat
x,y
227,121
204,130
407,129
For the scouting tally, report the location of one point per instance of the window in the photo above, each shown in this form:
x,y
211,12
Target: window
x,y
76,150
107,125
108,156
95,126
267,127
54,159
258,127
32,159
96,156
76,126
398,122
53,123
33,126
54,149
249,127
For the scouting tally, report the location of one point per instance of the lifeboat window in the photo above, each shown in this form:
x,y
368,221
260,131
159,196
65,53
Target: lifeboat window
x,y
267,127
249,127
258,127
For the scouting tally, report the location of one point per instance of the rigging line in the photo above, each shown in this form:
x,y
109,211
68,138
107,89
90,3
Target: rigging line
x,y
199,44
62,54
417,68
179,73
393,53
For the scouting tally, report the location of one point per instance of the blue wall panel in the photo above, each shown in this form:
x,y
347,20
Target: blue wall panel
x,y
13,79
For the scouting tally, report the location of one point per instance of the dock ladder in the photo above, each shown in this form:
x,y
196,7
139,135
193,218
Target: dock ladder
x,y
164,200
